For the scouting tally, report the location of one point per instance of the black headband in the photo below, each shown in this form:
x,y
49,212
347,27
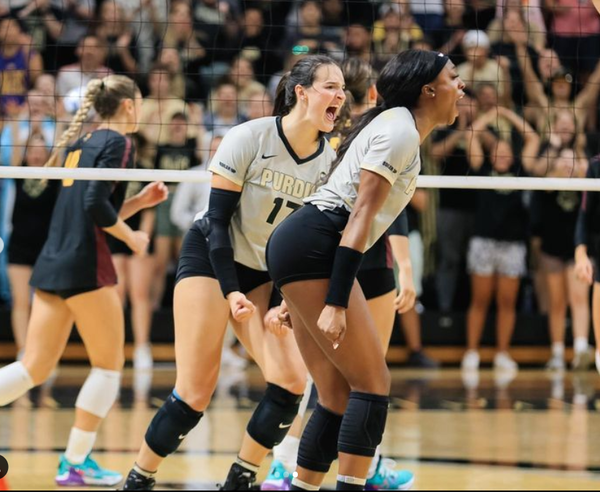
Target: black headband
x,y
440,62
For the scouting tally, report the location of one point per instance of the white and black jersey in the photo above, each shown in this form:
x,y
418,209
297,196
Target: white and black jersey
x,y
388,146
257,156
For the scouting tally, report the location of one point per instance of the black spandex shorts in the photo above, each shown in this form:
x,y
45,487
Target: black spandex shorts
x,y
68,293
195,262
377,282
303,246
20,254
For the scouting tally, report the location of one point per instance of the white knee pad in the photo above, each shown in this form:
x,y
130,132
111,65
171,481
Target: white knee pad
x,y
15,381
99,392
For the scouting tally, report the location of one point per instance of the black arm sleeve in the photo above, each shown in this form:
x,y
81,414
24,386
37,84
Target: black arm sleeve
x,y
96,201
589,204
215,227
400,226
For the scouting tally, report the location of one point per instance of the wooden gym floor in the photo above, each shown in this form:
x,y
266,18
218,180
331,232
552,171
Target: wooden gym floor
x,y
485,431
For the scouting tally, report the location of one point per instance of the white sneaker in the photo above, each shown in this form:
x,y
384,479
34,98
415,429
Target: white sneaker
x,y
504,362
556,363
582,360
142,358
470,360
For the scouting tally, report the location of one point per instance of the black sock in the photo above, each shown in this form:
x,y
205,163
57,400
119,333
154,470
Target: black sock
x,y
348,486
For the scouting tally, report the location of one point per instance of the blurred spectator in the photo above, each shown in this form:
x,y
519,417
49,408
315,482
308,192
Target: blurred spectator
x,y
181,38
497,251
394,32
306,29
575,35
453,32
34,203
58,25
192,198
115,33
510,37
170,60
19,67
456,207
258,45
242,76
179,154
146,19
553,216
514,18
562,135
542,106
359,42
224,111
136,273
259,105
479,67
486,96
160,106
91,65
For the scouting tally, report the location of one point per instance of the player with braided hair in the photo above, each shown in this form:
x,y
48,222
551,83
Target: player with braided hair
x,y
74,278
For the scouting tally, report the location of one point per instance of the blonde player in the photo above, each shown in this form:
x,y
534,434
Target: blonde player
x,y
75,279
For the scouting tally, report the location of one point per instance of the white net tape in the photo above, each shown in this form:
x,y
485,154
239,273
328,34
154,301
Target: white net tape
x,y
458,182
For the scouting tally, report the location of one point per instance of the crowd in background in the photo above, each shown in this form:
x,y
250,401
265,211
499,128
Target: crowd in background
x,y
532,81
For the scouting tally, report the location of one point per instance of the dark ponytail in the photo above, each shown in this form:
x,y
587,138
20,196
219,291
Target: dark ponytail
x,y
302,73
399,85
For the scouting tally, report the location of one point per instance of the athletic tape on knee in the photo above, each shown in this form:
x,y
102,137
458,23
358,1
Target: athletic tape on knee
x,y
318,446
171,424
363,425
15,381
272,419
99,392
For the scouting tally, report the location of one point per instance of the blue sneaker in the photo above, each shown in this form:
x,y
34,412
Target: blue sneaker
x,y
88,473
278,479
387,478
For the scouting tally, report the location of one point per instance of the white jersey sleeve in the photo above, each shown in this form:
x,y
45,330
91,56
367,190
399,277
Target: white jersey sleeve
x,y
387,153
235,154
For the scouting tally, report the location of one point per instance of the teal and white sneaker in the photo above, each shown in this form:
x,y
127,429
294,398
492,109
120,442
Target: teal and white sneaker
x,y
278,479
88,473
387,478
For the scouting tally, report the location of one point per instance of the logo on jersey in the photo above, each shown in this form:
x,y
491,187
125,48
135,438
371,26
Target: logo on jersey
x,y
227,168
269,156
387,165
286,184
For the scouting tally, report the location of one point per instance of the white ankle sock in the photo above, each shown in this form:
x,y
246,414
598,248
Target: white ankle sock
x,y
15,381
558,349
287,452
79,446
374,463
580,344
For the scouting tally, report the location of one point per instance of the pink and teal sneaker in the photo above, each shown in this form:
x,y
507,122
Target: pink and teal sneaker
x,y
387,478
87,473
278,479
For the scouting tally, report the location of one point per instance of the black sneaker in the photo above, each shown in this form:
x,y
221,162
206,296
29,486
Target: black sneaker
x,y
239,478
421,361
135,481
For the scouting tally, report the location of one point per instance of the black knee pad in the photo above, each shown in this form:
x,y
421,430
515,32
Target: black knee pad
x,y
318,446
274,416
171,424
363,424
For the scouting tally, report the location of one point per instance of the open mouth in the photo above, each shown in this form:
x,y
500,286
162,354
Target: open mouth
x,y
331,113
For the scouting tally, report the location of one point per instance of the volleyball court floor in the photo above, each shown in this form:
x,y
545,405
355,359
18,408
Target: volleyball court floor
x,y
485,431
